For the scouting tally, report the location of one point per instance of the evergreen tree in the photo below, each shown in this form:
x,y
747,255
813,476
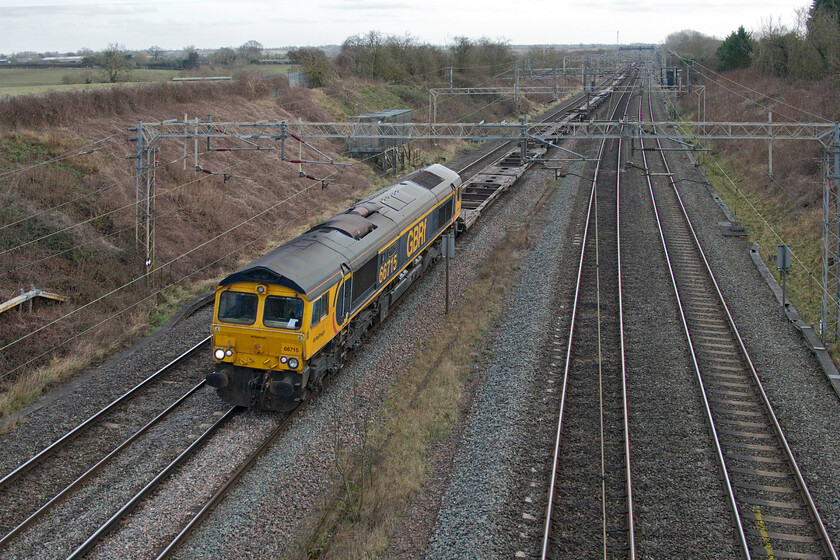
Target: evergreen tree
x,y
736,50
824,6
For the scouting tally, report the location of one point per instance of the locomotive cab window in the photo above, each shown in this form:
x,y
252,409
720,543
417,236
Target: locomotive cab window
x,y
283,312
238,307
319,309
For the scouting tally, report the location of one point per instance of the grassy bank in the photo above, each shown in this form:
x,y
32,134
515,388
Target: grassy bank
x,y
787,206
422,411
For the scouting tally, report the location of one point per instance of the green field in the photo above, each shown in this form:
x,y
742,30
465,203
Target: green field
x,y
29,81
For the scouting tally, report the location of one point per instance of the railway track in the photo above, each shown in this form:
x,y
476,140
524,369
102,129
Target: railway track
x,y
147,490
34,489
471,168
40,457
208,506
78,482
590,514
772,509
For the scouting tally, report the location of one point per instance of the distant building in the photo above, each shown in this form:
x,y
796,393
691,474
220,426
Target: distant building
x,y
62,59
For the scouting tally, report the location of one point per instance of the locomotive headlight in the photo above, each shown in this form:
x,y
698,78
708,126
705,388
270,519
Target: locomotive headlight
x,y
293,363
219,353
260,289
228,352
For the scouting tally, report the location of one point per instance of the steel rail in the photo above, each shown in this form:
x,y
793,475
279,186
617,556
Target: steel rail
x,y
59,443
109,525
567,367
730,494
768,407
568,363
95,468
631,529
225,488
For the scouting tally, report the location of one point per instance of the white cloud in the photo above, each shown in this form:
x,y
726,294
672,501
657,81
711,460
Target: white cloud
x,y
67,26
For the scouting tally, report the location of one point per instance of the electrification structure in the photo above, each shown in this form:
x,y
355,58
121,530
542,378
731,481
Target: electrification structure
x,y
264,135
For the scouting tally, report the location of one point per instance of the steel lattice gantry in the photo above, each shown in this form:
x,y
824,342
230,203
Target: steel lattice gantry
x,y
256,136
684,131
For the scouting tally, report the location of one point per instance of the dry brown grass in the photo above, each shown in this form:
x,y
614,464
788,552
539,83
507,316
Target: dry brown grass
x,y
25,389
786,208
63,108
422,410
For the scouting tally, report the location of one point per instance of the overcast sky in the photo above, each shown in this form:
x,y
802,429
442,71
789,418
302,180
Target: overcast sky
x,y
61,25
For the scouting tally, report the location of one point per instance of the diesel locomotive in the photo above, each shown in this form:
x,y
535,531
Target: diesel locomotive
x,y
286,320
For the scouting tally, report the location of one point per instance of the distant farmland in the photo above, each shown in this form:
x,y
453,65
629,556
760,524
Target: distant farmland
x,y
29,81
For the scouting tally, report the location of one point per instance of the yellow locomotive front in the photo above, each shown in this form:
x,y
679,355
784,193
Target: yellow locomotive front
x,y
259,344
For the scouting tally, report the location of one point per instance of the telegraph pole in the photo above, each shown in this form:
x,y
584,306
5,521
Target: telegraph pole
x,y
144,225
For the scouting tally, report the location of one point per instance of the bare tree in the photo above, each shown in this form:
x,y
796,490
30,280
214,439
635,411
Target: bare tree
x,y
693,45
251,52
824,37
156,53
313,64
114,63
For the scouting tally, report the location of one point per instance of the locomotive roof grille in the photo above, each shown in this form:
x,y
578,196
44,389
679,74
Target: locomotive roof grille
x,y
425,179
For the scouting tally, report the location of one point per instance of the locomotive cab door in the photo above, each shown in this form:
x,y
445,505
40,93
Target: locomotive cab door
x,y
342,301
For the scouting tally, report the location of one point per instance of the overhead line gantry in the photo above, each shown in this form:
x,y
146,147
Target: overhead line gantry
x,y
265,135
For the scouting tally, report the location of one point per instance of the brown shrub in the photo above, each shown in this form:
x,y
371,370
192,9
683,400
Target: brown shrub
x,y
62,108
